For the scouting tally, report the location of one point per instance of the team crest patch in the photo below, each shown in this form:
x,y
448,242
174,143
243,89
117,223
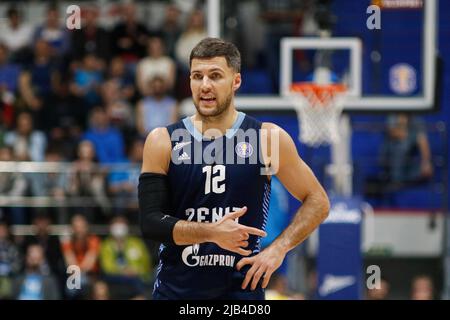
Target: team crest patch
x,y
244,149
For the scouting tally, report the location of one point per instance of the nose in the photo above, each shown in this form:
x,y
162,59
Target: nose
x,y
206,83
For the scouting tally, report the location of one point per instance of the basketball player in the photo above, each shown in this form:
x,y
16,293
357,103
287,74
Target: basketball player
x,y
210,215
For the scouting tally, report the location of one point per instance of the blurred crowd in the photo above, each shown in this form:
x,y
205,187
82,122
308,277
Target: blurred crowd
x,y
83,101
422,287
88,97
76,265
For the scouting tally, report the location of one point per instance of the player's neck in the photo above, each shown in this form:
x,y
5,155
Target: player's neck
x,y
222,122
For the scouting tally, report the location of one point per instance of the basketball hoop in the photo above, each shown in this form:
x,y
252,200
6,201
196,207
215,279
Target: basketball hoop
x,y
319,107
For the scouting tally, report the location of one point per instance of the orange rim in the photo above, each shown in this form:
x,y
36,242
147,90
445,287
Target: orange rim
x,y
322,93
311,86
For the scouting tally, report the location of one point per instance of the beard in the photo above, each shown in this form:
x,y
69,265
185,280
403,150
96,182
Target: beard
x,y
217,111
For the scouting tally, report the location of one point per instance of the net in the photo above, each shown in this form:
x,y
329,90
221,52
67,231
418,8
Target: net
x,y
319,108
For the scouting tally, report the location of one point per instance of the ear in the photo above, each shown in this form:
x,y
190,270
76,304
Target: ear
x,y
237,81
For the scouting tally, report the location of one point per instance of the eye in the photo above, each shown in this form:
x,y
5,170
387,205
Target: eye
x,y
216,76
197,76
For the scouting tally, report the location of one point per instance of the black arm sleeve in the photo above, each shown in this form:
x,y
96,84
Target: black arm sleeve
x,y
153,194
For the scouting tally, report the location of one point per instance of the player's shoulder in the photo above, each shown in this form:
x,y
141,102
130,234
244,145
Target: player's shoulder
x,y
163,134
272,127
158,138
158,133
273,131
157,150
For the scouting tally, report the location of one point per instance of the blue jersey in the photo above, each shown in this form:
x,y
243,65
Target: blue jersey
x,y
209,178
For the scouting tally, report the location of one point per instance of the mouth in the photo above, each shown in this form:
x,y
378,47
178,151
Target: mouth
x,y
207,100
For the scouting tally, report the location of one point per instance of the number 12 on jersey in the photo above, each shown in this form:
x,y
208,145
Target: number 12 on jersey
x,y
215,175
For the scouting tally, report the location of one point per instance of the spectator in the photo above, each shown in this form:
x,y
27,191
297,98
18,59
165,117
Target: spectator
x,y
27,144
118,73
312,281
65,139
117,92
91,38
9,82
12,184
406,152
52,184
87,179
155,64
107,140
123,186
119,111
100,291
422,288
381,293
125,260
157,109
9,73
39,81
87,81
17,36
54,33
81,249
171,29
35,283
405,158
129,37
68,112
50,244
66,120
277,288
194,32
10,261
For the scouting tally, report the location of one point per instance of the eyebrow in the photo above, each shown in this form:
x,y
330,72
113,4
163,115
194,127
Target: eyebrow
x,y
212,70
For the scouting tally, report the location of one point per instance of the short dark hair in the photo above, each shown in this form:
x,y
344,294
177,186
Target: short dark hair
x,y
53,6
12,11
215,47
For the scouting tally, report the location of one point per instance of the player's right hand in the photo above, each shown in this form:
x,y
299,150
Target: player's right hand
x,y
228,234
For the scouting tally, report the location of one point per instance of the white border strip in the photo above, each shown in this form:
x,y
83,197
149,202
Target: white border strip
x,y
429,50
213,15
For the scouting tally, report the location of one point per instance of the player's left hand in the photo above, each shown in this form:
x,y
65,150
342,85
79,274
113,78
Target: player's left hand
x,y
263,265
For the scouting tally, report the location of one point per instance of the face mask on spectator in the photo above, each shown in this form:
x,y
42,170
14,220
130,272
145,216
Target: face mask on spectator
x,y
119,230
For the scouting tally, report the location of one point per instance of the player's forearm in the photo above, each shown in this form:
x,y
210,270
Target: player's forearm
x,y
314,210
186,232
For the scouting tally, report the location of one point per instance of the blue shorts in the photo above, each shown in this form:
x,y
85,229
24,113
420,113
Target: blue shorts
x,y
234,291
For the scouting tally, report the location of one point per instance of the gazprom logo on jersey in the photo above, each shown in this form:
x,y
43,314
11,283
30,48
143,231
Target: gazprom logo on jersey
x,y
340,213
191,258
403,78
